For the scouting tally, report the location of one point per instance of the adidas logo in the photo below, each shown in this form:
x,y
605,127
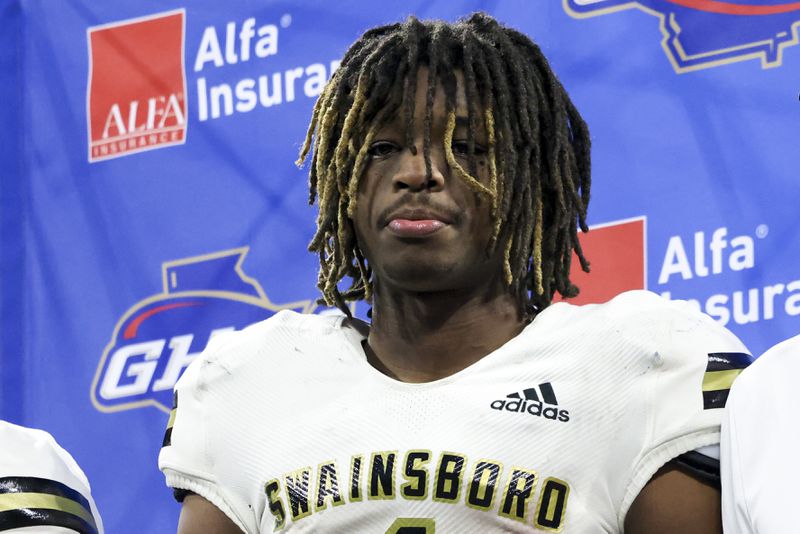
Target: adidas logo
x,y
529,402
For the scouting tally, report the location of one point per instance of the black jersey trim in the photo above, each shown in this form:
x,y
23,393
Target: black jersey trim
x,y
33,515
715,399
721,371
167,438
171,422
42,485
699,466
726,361
39,517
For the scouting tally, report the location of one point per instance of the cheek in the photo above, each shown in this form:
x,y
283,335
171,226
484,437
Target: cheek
x,y
482,224
363,225
483,170
368,189
364,199
374,194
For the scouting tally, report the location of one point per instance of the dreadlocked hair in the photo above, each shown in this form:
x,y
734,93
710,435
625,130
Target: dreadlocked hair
x,y
538,148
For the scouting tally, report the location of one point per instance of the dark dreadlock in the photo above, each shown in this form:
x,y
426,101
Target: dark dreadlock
x,y
538,148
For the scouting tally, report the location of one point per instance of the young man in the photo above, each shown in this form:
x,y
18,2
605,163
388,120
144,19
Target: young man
x,y
452,173
760,439
42,489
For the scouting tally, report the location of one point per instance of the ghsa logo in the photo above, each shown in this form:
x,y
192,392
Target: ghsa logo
x,y
617,252
698,34
203,297
136,94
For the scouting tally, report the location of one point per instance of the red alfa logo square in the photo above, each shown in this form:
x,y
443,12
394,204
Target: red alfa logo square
x,y
617,252
136,95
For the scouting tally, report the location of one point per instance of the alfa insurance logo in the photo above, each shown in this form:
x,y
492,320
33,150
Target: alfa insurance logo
x,y
698,34
617,252
136,94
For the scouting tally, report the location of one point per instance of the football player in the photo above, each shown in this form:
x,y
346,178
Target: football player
x,y
451,171
760,440
42,489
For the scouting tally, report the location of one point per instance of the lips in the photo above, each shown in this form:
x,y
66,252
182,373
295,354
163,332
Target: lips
x,y
415,228
417,222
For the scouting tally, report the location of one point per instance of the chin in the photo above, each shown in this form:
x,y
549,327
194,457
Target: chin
x,y
421,276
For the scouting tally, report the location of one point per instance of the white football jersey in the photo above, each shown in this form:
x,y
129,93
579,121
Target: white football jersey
x,y
286,425
760,441
42,489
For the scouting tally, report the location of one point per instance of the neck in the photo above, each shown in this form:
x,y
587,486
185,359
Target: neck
x,y
421,337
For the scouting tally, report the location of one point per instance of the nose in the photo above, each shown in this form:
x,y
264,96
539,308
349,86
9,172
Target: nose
x,y
411,173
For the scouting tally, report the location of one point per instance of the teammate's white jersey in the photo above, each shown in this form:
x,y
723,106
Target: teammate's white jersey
x,y
42,489
759,465
286,423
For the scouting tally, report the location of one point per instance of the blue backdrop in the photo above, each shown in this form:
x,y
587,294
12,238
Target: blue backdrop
x,y
149,199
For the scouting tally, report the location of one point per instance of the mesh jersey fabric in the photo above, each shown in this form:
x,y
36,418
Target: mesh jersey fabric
x,y
286,424
42,488
760,440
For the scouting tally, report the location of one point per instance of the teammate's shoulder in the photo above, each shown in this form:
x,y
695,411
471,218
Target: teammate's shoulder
x,y
32,446
36,469
780,363
786,352
16,435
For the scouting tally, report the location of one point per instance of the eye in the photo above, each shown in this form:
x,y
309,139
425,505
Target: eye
x,y
461,148
381,149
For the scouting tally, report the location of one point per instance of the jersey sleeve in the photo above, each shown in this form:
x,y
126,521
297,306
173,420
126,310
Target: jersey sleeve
x,y
735,513
41,486
188,451
693,362
212,414
760,435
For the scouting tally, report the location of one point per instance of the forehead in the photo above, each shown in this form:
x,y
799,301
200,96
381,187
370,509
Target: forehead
x,y
423,74
420,99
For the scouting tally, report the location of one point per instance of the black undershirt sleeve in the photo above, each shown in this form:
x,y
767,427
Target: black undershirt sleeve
x,y
700,467
180,494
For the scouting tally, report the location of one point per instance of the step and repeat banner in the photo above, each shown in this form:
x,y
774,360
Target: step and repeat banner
x,y
150,200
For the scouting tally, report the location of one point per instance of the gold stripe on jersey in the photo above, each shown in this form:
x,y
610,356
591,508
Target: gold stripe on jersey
x,y
44,501
552,506
415,474
382,475
716,380
327,486
483,484
449,477
171,421
519,490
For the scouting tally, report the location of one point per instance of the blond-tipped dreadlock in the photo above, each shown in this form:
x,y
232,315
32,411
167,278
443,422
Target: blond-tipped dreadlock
x,y
538,148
